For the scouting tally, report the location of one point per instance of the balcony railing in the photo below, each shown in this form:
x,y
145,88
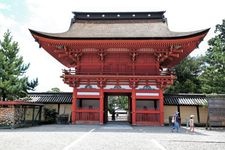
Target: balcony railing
x,y
142,69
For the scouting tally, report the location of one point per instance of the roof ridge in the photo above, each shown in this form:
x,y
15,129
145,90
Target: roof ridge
x,y
50,93
118,15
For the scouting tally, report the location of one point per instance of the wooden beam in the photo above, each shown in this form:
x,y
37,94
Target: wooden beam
x,y
101,107
161,107
198,115
74,102
33,115
40,112
24,113
133,106
58,108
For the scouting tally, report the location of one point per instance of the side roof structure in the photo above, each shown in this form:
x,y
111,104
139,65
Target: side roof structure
x,y
185,99
169,99
50,98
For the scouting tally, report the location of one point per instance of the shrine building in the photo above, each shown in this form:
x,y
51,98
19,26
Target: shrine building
x,y
119,53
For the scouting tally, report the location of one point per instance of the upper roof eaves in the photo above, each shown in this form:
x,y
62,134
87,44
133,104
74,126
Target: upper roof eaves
x,y
118,25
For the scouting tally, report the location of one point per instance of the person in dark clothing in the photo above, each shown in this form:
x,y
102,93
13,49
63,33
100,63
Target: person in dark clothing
x,y
176,121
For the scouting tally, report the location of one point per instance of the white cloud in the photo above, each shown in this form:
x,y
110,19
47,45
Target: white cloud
x,y
4,6
7,23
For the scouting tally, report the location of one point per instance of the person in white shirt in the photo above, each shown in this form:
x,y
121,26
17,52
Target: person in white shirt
x,y
191,123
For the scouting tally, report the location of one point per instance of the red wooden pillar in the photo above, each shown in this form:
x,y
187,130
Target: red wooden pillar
x,y
161,107
74,104
101,107
133,106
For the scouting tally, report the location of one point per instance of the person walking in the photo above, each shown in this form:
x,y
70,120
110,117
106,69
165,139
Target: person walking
x,y
172,122
176,124
191,123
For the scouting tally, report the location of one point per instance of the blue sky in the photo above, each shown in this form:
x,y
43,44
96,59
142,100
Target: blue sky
x,y
55,15
16,9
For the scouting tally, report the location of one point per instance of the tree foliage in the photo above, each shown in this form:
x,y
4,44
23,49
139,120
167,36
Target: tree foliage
x,y
204,74
50,115
54,90
187,73
13,81
213,76
117,102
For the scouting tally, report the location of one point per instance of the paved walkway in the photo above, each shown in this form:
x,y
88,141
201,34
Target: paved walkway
x,y
109,137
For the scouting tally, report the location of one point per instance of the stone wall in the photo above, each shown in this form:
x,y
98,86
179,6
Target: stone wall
x,y
18,116
6,116
11,116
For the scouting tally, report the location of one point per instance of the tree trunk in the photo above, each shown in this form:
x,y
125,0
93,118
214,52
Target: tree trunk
x,y
3,95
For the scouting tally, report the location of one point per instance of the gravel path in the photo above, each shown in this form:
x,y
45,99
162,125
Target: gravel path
x,y
109,137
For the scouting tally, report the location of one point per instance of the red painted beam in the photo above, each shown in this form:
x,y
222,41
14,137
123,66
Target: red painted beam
x,y
138,111
133,106
73,106
101,106
89,96
87,110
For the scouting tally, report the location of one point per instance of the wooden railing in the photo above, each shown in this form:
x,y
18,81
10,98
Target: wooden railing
x,y
87,115
148,118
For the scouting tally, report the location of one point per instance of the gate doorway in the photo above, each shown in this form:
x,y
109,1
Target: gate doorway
x,y
117,108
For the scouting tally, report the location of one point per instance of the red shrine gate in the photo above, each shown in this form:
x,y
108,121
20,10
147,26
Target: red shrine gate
x,y
123,53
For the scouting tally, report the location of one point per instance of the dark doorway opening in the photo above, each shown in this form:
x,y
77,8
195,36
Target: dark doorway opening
x,y
117,107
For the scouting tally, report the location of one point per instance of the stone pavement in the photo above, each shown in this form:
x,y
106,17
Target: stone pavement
x,y
109,137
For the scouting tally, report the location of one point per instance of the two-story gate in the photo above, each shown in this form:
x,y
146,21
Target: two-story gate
x,y
119,52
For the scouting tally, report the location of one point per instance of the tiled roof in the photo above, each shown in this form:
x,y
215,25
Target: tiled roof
x,y
119,29
19,102
185,99
62,97
169,99
119,25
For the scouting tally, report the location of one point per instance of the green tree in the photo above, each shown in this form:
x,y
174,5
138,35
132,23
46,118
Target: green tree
x,y
213,76
187,73
55,90
120,102
50,115
13,81
123,102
